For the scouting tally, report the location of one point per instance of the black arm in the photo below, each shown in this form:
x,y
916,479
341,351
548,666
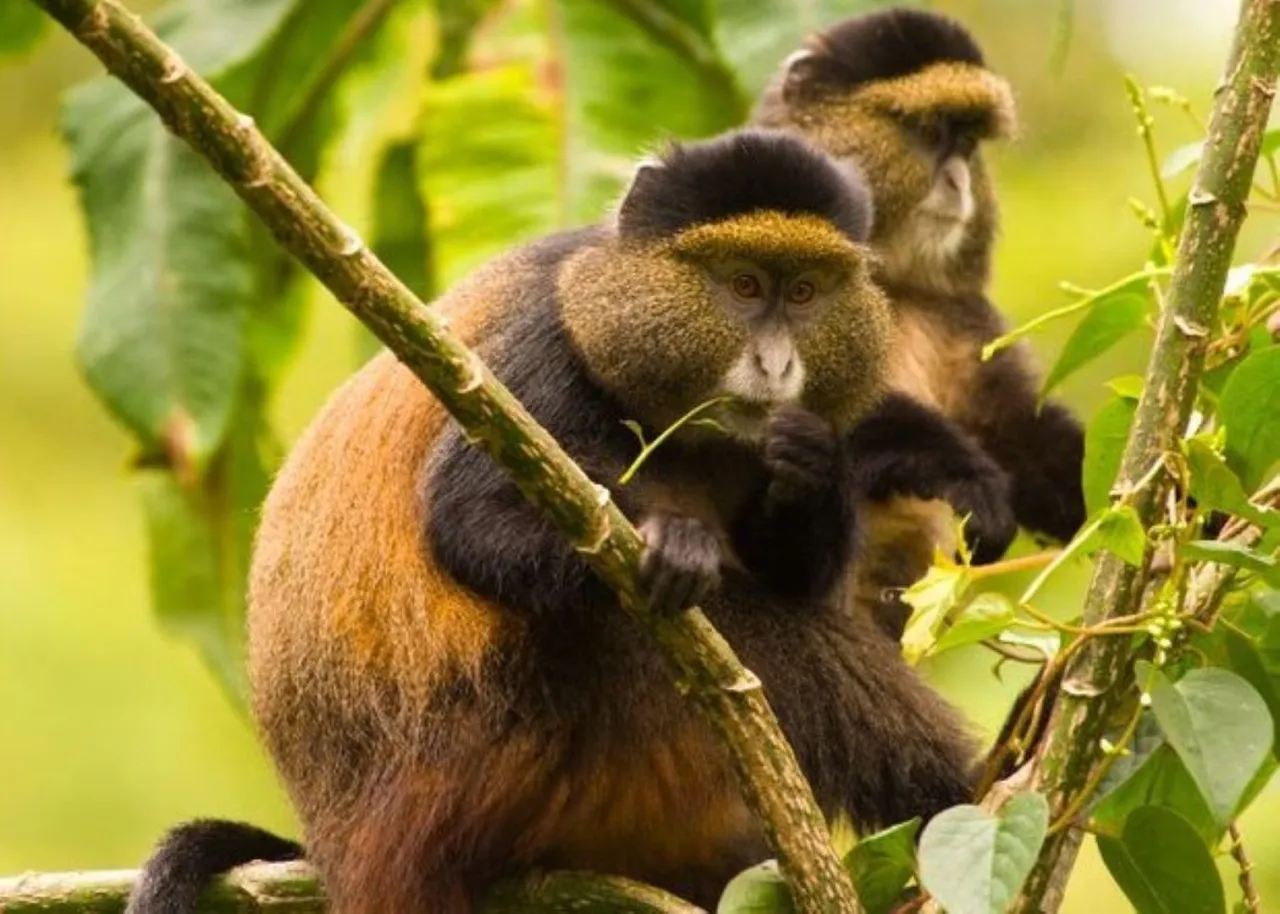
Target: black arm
x,y
906,449
1041,447
795,534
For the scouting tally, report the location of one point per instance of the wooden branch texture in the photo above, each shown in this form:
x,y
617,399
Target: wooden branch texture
x,y
729,695
290,888
1092,688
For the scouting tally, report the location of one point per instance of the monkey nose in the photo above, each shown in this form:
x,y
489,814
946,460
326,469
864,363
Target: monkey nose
x,y
774,367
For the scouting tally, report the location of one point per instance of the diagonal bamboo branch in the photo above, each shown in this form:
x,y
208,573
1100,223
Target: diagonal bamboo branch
x,y
1090,691
727,693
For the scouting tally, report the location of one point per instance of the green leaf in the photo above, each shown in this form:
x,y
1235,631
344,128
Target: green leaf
x,y
985,616
1247,661
22,25
200,539
1163,866
1221,729
931,599
757,35
1250,411
973,862
1109,321
1152,775
493,188
1104,442
1120,532
759,890
1047,643
882,864
1128,386
162,340
1216,487
1233,554
635,73
1182,159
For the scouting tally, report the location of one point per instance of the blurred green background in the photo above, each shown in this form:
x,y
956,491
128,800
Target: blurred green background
x,y
110,732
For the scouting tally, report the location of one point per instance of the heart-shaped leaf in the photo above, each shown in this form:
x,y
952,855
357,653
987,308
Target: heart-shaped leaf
x,y
1221,729
1163,866
1120,531
882,864
975,863
759,890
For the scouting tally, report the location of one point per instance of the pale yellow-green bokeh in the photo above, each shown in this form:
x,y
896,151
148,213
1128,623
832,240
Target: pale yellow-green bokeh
x,y
110,732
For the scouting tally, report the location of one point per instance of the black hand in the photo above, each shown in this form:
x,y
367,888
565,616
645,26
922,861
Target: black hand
x,y
681,562
801,452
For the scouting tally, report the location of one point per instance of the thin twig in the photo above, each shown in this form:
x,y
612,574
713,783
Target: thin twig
x,y
1250,891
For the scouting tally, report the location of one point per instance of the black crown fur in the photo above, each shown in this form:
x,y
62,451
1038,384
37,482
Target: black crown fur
x,y
887,44
738,173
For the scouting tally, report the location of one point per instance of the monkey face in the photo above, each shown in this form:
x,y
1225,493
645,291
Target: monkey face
x,y
917,138
764,310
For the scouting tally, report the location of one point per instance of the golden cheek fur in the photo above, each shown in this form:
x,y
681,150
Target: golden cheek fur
x,y
845,353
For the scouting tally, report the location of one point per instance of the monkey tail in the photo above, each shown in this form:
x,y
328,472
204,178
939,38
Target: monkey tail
x,y
195,853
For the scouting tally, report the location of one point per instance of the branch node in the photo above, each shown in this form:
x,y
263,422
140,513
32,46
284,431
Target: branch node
x,y
1189,328
175,68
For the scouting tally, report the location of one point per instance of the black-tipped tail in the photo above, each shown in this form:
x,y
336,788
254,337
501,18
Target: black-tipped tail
x,y
192,855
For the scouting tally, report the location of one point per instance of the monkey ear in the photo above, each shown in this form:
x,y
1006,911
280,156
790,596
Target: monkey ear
x,y
633,210
799,76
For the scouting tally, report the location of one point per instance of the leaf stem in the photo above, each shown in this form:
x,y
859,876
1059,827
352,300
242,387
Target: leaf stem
x,y
1088,299
1138,98
647,450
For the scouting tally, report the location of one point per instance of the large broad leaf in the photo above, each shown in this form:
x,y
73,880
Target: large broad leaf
x,y
22,24
1163,866
1108,322
759,890
757,35
490,189
634,74
1250,411
975,863
199,539
1104,442
162,336
1221,729
882,864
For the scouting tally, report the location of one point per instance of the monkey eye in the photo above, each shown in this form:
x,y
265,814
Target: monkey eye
x,y
745,285
801,293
